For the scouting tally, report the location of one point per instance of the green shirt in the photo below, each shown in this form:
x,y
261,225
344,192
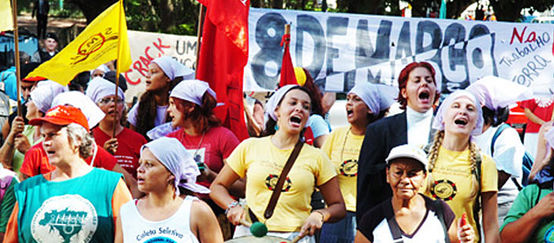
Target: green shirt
x,y
527,199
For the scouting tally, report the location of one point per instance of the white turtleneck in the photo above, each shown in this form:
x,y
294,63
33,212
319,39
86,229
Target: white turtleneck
x,y
419,126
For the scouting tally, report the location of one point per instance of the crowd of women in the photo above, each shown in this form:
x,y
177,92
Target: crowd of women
x,y
78,166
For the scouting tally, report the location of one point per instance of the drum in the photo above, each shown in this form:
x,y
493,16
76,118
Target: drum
x,y
253,239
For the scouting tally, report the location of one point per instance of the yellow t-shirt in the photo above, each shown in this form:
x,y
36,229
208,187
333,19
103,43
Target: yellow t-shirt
x,y
261,162
343,148
453,182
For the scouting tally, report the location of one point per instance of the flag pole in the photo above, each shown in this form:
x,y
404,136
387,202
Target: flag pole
x,y
118,67
16,55
199,32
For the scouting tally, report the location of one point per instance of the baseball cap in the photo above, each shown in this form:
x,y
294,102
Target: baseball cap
x,y
62,115
410,152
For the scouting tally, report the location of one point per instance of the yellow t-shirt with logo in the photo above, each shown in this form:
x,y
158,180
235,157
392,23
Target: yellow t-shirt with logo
x,y
453,182
343,148
261,163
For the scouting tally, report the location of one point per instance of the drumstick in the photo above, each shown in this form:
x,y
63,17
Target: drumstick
x,y
245,223
257,229
297,238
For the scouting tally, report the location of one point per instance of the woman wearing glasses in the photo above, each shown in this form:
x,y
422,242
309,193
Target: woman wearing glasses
x,y
125,146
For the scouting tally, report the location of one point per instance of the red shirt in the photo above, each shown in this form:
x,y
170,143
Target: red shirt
x,y
541,109
217,144
128,149
36,161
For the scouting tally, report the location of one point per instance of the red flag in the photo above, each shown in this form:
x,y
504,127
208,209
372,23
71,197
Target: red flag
x,y
287,69
223,55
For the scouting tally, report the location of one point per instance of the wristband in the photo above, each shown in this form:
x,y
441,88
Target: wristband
x,y
231,205
322,216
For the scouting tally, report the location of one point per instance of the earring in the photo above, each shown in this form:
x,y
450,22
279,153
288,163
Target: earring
x,y
276,127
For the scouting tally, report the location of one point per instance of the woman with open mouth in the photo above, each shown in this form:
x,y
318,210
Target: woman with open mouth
x,y
417,94
365,103
264,161
169,212
75,202
459,173
163,74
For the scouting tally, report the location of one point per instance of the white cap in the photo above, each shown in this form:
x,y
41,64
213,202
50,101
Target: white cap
x,y
172,68
192,91
408,151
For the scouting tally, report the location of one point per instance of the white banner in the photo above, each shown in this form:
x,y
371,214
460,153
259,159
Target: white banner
x,y
342,49
146,46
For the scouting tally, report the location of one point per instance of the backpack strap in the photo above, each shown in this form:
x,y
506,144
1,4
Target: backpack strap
x,y
439,210
395,231
478,199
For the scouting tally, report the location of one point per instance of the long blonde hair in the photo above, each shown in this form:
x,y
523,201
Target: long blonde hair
x,y
474,153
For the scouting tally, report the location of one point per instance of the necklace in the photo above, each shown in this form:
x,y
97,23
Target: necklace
x,y
196,155
344,144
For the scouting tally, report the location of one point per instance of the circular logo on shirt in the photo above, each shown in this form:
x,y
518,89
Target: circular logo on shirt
x,y
67,218
349,168
444,189
549,235
160,240
271,182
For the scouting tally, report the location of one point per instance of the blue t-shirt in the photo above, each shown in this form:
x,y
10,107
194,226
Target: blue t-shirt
x,y
74,210
318,125
10,83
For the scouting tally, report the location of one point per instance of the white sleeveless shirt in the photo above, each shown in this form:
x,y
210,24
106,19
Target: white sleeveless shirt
x,y
173,229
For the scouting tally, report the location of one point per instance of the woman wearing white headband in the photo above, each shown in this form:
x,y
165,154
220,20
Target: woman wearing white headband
x,y
459,174
125,146
365,103
191,105
164,73
21,136
166,169
262,160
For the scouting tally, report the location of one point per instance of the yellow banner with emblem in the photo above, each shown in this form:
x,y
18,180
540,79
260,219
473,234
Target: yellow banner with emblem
x,y
96,45
6,22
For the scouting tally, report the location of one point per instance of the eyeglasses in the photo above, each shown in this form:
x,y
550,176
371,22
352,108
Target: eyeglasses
x,y
106,100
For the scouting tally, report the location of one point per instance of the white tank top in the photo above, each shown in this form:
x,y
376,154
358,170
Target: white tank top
x,y
173,229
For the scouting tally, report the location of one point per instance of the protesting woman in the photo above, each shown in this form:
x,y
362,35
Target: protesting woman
x,y
365,103
125,146
163,74
264,160
75,202
165,170
191,105
459,173
409,216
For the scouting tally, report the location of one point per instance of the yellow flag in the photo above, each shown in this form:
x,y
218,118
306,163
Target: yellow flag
x,y
96,45
6,21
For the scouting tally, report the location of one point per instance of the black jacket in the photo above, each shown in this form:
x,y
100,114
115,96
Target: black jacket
x,y
380,137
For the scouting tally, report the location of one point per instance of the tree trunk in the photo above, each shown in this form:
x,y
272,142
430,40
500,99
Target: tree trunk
x,y
167,8
278,4
91,9
506,11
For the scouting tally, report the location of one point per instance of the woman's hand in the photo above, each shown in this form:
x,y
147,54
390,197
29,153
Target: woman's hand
x,y
21,143
312,223
465,231
18,125
545,207
236,214
111,145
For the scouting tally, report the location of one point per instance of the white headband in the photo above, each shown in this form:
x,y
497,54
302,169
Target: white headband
x,y
376,96
173,155
44,93
438,122
495,93
274,100
77,99
99,88
192,90
172,68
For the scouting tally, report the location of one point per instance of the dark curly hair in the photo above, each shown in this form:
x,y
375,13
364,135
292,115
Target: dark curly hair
x,y
495,117
147,109
203,116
